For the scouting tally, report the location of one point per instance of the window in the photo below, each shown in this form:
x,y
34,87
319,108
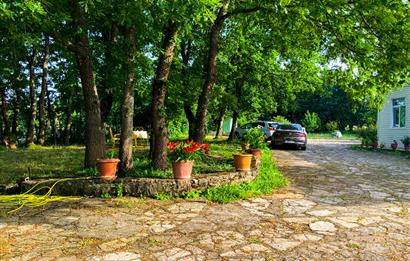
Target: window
x,y
399,113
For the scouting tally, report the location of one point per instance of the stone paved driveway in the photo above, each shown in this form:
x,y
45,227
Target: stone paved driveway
x,y
341,205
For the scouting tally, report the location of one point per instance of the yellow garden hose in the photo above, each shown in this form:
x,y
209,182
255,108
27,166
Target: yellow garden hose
x,y
31,200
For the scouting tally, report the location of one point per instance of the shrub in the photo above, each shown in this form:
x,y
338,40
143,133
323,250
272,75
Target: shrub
x,y
311,121
367,135
406,140
254,137
331,126
280,119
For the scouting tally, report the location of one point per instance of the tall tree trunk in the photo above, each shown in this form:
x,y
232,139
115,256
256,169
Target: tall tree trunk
x,y
67,129
191,121
186,51
4,112
210,68
234,122
95,140
52,117
33,100
127,111
159,89
41,104
109,37
16,109
218,133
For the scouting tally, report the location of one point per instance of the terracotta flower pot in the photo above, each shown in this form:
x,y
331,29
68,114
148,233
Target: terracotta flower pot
x,y
406,148
393,146
256,152
182,169
243,162
107,168
375,145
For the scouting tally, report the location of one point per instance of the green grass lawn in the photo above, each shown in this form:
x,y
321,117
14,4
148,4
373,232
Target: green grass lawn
x,y
328,135
68,161
40,162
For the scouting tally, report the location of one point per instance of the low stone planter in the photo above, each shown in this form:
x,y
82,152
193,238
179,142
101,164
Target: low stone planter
x,y
140,186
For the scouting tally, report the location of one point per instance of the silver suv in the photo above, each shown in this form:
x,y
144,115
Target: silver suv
x,y
267,127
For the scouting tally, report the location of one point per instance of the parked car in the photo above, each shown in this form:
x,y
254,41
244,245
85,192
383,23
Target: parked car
x,y
290,134
267,127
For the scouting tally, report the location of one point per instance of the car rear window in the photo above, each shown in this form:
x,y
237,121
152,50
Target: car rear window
x,y
289,127
273,125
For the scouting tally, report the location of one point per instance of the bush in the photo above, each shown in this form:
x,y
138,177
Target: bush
x,y
254,137
331,126
280,119
368,135
311,121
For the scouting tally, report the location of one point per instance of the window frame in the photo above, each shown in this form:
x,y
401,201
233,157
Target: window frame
x,y
400,108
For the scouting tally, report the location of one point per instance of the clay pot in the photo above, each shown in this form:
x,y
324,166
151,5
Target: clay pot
x,y
182,169
243,162
107,168
406,148
256,152
375,145
394,146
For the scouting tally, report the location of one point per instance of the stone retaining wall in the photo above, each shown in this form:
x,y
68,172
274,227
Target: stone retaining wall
x,y
139,186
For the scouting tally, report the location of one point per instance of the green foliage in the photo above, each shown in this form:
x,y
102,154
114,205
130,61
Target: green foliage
x,y
367,134
280,119
406,140
111,154
163,196
268,179
254,137
331,126
106,195
120,190
311,121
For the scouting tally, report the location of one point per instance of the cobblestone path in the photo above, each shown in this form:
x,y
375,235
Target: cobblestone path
x,y
341,205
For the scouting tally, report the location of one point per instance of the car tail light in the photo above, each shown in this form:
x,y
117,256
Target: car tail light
x,y
271,129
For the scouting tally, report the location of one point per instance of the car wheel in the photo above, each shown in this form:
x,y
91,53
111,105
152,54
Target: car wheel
x,y
303,148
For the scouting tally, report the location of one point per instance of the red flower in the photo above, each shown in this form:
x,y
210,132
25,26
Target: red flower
x,y
196,145
205,146
189,150
188,142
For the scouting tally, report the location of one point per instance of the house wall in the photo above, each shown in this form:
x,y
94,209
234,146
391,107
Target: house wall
x,y
385,131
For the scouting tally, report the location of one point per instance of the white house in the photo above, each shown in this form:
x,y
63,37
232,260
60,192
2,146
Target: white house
x,y
393,120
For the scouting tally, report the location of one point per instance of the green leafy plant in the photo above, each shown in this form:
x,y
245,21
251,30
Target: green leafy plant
x,y
120,190
106,195
254,137
163,196
331,126
189,150
368,135
111,154
406,140
280,119
311,121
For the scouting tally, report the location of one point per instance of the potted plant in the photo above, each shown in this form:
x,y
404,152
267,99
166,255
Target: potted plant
x,y
182,155
394,145
107,167
254,137
406,143
243,161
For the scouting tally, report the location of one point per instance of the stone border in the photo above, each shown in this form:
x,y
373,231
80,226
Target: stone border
x,y
139,186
